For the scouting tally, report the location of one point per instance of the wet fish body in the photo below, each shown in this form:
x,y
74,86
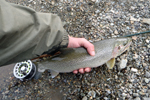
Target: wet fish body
x,y
74,58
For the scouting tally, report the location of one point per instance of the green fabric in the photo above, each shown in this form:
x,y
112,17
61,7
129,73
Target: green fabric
x,y
24,33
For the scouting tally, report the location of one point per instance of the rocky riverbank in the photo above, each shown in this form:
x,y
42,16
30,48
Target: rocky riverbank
x,y
94,20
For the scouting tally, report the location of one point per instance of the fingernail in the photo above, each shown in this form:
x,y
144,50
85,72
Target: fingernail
x,y
87,69
81,71
93,53
75,71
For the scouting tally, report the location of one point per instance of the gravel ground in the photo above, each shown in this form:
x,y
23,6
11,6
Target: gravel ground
x,y
94,20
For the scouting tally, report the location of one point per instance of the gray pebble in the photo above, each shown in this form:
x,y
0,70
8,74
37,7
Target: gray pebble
x,y
128,28
92,93
147,74
124,94
98,92
105,98
135,94
147,41
142,93
130,85
108,91
146,80
123,64
137,98
145,98
112,24
131,92
134,70
148,46
115,32
148,85
146,20
68,9
149,91
97,11
84,98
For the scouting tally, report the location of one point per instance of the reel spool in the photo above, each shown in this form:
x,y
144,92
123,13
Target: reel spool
x,y
24,70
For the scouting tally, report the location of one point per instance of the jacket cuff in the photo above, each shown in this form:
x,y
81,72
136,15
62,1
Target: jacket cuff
x,y
65,40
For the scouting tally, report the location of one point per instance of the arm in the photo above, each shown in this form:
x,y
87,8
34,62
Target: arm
x,y
24,33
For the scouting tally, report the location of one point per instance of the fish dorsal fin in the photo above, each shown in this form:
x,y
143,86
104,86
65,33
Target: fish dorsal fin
x,y
54,73
110,64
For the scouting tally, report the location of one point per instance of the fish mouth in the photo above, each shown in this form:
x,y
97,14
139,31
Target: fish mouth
x,y
127,45
119,49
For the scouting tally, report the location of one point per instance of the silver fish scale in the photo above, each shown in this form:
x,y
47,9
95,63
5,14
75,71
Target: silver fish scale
x,y
76,58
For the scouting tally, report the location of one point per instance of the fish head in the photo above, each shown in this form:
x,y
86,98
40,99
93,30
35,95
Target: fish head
x,y
121,45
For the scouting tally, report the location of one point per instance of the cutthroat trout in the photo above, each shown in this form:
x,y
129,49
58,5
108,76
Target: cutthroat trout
x,y
74,58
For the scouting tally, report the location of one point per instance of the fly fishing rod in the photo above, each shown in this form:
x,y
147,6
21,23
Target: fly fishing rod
x,y
26,70
130,35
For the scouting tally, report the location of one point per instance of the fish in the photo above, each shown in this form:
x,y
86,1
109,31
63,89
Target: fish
x,y
75,58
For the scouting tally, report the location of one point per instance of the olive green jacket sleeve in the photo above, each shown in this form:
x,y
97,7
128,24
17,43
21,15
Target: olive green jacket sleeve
x,y
24,33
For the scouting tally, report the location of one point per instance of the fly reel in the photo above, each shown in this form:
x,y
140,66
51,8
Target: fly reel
x,y
24,70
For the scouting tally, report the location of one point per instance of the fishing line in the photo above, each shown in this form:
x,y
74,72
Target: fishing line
x,y
136,34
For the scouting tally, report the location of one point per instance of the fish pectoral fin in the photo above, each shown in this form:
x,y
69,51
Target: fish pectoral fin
x,y
54,73
110,64
40,67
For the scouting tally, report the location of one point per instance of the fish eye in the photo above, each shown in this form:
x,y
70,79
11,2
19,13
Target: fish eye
x,y
119,47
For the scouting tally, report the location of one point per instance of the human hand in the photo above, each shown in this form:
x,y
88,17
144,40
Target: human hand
x,y
81,42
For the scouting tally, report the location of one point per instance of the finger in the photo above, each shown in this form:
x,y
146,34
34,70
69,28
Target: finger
x,y
81,70
75,71
89,46
87,69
